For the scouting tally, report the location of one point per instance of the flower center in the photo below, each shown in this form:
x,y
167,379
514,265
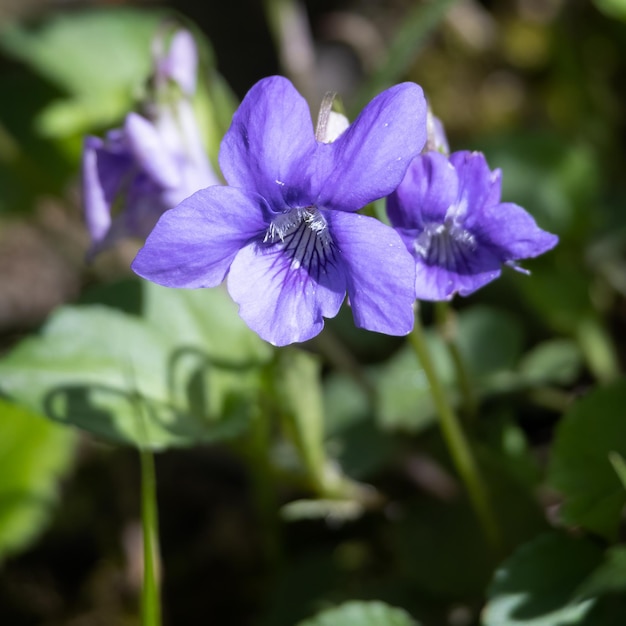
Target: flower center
x,y
446,245
304,237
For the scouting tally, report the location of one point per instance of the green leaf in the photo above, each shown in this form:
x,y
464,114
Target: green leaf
x,y
619,465
609,577
351,432
554,178
361,613
300,395
101,58
593,428
206,318
34,455
538,585
557,361
405,402
612,8
185,374
333,511
503,440
490,344
490,340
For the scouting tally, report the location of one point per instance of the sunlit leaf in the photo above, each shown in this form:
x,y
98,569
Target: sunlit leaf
x,y
181,376
538,585
34,455
361,613
612,8
101,58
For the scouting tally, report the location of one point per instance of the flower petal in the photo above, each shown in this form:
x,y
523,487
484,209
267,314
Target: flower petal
x,y
437,283
380,272
284,302
178,129
429,187
369,160
180,64
512,232
269,145
194,244
97,208
150,151
478,185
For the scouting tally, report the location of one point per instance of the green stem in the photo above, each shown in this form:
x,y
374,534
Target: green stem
x,y
447,329
454,437
150,601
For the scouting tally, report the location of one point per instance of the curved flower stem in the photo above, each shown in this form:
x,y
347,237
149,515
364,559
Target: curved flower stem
x,y
290,29
447,330
150,601
454,437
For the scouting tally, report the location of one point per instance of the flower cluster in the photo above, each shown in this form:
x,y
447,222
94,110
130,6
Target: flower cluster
x,y
152,163
284,231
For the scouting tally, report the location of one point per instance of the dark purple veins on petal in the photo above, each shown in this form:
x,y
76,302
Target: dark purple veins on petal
x,y
305,239
447,245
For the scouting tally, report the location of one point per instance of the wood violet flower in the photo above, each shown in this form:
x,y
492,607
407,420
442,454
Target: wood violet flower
x,y
286,232
149,165
450,217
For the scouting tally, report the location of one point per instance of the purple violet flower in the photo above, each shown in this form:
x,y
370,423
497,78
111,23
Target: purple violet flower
x,y
449,214
149,165
286,231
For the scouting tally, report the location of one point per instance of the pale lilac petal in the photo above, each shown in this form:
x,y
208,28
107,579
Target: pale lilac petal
x,y
369,160
198,171
284,302
270,145
193,244
379,270
512,232
181,62
97,209
428,189
151,152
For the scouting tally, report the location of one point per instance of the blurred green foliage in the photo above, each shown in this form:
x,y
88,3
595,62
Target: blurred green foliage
x,y
349,504
34,456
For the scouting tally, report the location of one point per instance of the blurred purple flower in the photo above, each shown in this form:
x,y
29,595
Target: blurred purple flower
x,y
449,214
286,232
149,165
